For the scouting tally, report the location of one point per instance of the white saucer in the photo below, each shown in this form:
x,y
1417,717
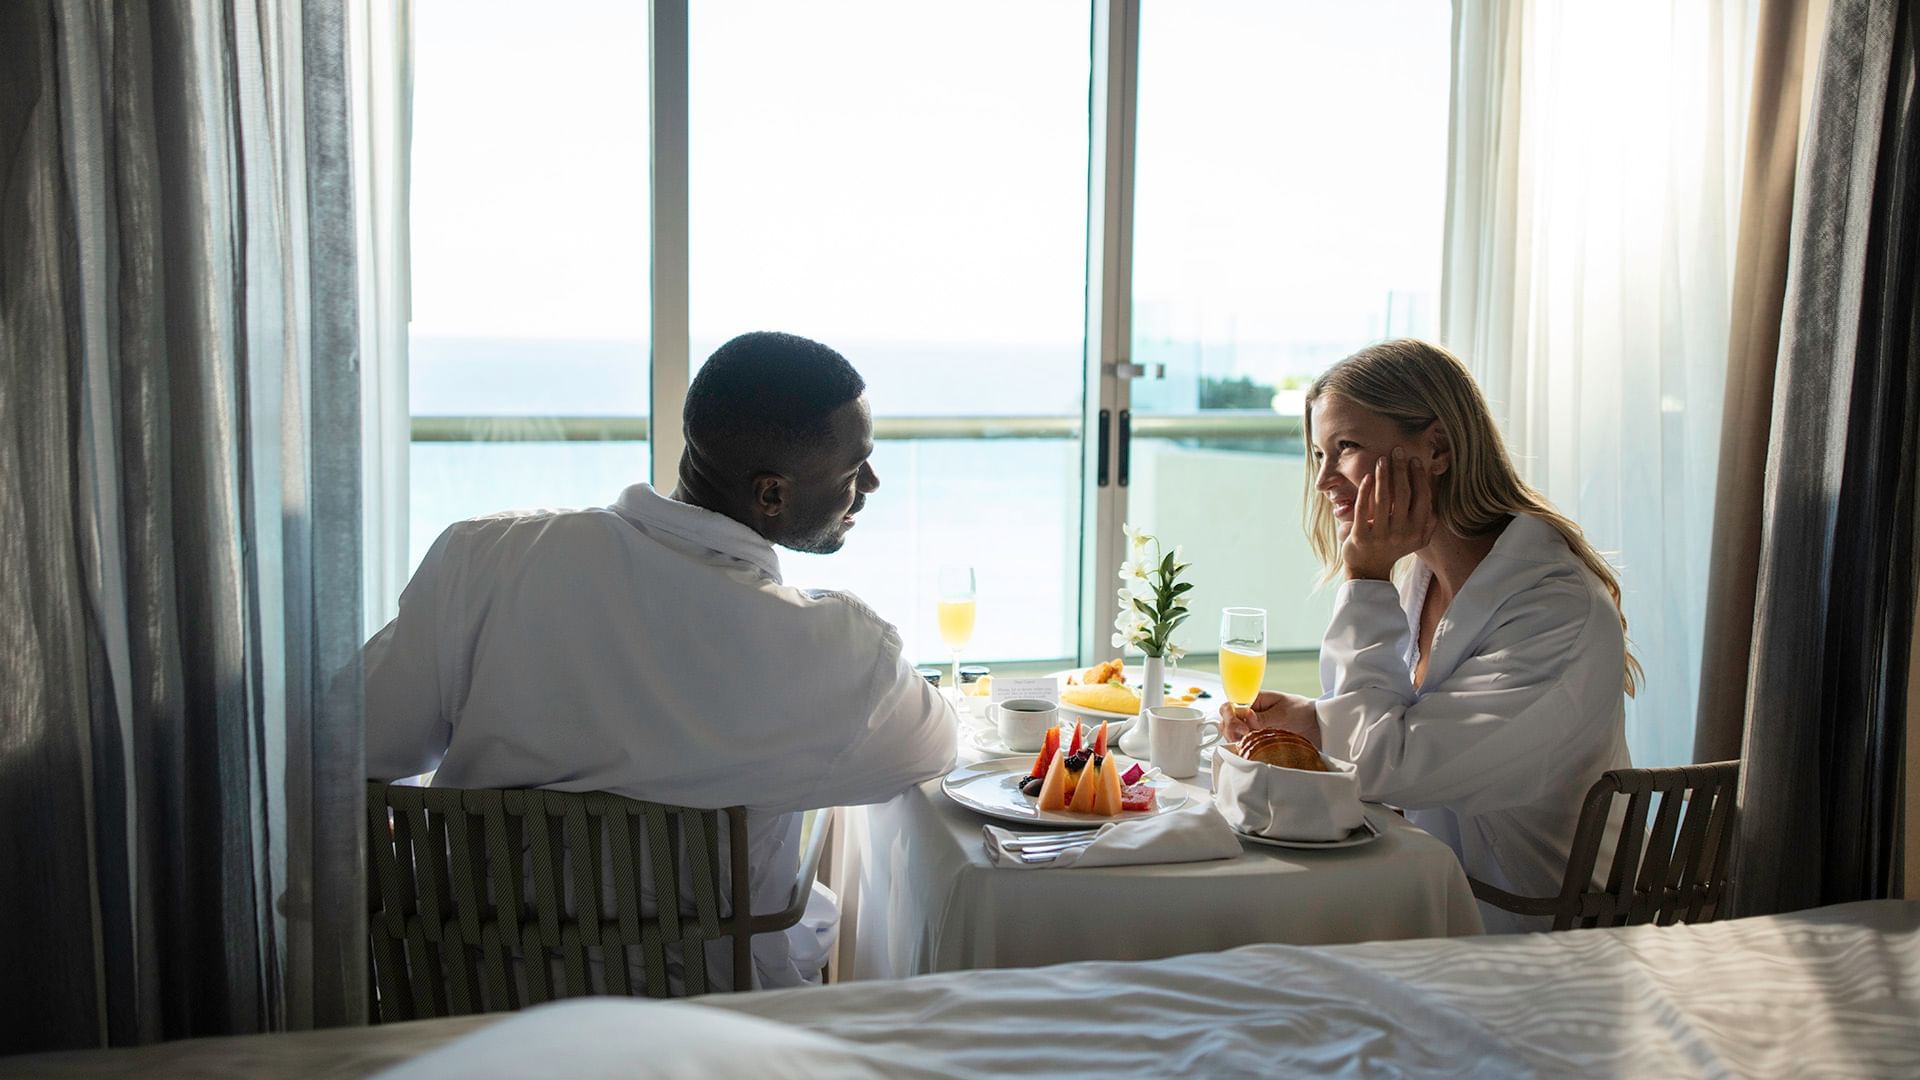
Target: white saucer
x,y
1367,833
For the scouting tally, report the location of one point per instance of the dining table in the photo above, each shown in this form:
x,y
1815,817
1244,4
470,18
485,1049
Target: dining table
x,y
919,893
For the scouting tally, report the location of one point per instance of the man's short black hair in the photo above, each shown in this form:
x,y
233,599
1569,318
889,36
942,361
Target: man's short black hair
x,y
765,395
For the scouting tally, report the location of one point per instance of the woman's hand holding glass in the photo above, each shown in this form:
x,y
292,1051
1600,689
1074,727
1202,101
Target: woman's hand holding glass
x,y
1393,516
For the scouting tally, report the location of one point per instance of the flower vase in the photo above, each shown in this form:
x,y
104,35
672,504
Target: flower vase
x,y
1137,741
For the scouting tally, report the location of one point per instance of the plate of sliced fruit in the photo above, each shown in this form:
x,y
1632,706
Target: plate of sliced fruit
x,y
1073,784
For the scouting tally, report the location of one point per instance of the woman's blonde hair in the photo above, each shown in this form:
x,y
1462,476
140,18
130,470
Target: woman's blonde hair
x,y
1414,383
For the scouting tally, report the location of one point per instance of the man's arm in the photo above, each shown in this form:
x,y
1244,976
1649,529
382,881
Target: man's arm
x,y
908,735
407,729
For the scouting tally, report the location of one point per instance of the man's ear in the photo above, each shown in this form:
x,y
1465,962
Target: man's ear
x,y
1439,447
769,494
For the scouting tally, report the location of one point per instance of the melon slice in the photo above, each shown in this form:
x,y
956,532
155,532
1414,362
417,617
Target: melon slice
x,y
1053,790
1088,789
1107,802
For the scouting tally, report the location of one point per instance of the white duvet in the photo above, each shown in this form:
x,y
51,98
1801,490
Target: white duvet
x,y
1834,992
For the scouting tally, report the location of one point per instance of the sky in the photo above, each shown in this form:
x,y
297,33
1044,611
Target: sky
x,y
874,171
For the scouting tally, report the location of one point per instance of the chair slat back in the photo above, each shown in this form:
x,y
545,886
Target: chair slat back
x,y
1673,871
481,901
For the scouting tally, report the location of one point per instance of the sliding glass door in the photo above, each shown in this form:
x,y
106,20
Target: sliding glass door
x,y
530,319
907,183
1289,200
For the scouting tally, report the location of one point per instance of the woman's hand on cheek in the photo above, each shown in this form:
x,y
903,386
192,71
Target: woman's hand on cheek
x,y
1288,712
1393,517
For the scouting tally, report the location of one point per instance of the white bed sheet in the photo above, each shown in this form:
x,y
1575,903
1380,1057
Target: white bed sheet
x,y
1828,992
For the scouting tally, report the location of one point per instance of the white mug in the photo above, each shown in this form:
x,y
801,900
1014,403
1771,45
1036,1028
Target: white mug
x,y
1175,734
1023,722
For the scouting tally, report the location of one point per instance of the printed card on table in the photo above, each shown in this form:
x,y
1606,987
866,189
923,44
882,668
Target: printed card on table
x,y
1040,689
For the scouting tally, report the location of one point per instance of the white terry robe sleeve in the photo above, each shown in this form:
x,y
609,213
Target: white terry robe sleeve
x,y
1488,737
406,725
908,734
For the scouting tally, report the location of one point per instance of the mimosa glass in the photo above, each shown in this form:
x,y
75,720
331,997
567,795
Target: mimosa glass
x,y
1243,652
957,607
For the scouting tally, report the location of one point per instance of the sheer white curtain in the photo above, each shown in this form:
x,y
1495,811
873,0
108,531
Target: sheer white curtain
x,y
1593,204
382,73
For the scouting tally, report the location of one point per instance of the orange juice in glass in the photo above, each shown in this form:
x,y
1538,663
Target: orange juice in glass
x,y
955,611
1243,653
956,623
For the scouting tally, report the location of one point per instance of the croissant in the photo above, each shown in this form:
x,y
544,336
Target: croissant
x,y
1271,746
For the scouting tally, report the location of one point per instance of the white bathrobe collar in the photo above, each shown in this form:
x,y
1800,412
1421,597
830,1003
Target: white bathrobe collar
x,y
642,505
1528,549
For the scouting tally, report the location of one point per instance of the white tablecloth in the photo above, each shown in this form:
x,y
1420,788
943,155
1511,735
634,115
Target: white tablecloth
x,y
918,895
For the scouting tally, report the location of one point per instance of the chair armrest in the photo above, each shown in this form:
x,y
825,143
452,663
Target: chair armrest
x,y
1519,905
803,881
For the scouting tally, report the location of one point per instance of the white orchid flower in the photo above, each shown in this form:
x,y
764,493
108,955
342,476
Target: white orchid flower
x,y
1133,571
1175,653
1121,641
1125,619
1135,538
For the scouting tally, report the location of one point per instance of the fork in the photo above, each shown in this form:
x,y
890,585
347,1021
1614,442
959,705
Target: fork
x,y
1048,854
1032,857
1015,841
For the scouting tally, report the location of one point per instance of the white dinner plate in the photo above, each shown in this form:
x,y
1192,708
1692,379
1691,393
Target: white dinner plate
x,y
1132,674
993,788
1365,834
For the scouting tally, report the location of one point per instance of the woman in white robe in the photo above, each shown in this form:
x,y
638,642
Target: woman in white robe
x,y
1483,694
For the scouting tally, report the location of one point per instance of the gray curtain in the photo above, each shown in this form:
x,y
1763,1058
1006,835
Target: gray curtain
x,y
179,481
1753,353
1826,698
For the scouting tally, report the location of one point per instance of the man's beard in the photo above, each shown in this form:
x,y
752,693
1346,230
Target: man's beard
x,y
829,537
823,542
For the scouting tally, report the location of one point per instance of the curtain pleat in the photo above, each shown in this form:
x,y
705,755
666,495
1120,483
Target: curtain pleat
x,y
1834,603
180,577
1759,296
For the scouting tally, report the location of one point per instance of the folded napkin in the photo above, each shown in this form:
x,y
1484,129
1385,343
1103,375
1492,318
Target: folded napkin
x,y
1192,833
1287,804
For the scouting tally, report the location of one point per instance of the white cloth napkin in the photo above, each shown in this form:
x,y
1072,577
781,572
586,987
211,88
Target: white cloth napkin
x,y
1192,833
1287,804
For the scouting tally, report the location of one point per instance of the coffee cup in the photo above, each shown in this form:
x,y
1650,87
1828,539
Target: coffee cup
x,y
1023,722
1175,735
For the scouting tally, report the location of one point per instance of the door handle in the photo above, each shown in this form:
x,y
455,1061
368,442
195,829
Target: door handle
x,y
1127,370
1126,445
1105,447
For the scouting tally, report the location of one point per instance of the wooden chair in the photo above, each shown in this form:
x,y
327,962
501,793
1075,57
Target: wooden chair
x,y
1682,876
469,894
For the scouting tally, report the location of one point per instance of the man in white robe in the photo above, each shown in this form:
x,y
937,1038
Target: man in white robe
x,y
651,648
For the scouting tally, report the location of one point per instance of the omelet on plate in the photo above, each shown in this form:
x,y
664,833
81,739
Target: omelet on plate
x,y
1106,697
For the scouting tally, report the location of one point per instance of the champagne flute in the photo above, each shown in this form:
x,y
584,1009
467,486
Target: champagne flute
x,y
1243,652
956,610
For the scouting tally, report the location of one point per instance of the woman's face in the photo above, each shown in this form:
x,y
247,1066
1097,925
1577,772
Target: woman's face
x,y
1349,439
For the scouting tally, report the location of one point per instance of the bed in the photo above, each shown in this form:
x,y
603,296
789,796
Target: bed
x,y
1834,991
